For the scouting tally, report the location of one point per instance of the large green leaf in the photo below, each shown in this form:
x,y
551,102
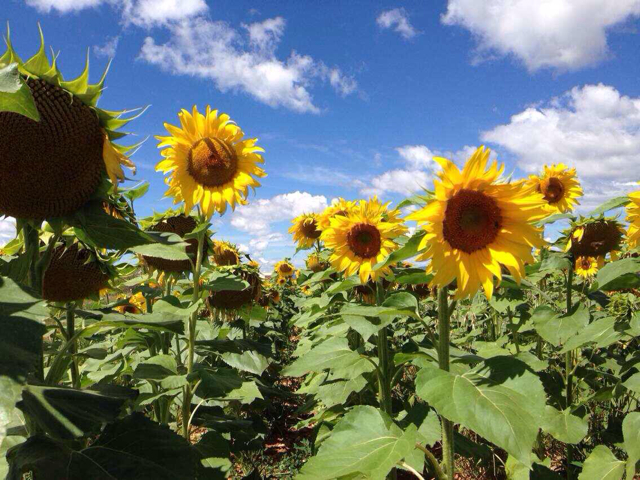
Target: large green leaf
x,y
334,352
610,204
631,434
226,384
169,247
134,447
156,368
602,332
625,270
500,399
408,250
557,329
633,383
564,426
602,465
366,442
9,396
336,392
15,94
248,361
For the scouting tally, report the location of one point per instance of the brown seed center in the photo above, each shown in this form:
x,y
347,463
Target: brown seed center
x,y
310,228
212,162
472,221
364,240
552,189
285,268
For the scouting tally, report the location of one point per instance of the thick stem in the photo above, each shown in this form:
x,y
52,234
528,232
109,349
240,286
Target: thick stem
x,y
73,350
385,378
187,393
443,360
568,364
32,247
440,475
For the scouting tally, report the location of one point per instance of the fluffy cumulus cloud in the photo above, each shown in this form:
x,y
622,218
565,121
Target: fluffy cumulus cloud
x,y
63,6
593,128
7,229
107,49
561,34
397,19
257,218
245,61
404,182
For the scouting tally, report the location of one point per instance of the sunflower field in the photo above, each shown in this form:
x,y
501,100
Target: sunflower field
x,y
442,337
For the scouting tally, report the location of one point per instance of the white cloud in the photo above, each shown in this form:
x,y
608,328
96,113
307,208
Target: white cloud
x,y
398,181
593,128
108,49
319,175
562,34
257,217
417,156
63,6
7,229
147,13
398,20
214,50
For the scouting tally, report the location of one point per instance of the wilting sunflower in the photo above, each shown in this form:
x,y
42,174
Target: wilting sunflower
x,y
586,267
633,217
56,146
476,223
225,253
305,230
284,269
559,186
181,225
74,273
598,237
226,302
209,162
339,207
360,240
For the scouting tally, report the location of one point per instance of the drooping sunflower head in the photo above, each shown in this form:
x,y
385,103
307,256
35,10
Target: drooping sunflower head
x,y
559,187
136,304
305,230
595,237
74,273
181,225
633,217
56,147
315,263
209,162
284,268
360,240
476,223
586,267
339,207
228,301
225,253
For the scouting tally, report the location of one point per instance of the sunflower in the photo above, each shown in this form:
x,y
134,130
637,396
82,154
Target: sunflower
x,y
361,239
284,269
232,300
305,230
595,238
209,162
339,207
225,253
137,304
586,267
181,225
315,264
476,223
281,281
56,147
559,186
73,273
633,217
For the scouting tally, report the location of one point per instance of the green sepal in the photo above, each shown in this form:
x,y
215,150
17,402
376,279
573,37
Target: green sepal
x,y
78,86
38,64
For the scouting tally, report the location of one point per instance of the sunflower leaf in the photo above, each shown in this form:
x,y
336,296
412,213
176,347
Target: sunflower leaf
x,y
15,94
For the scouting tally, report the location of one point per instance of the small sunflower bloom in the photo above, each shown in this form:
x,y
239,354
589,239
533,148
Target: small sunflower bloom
x,y
586,267
305,230
283,268
340,207
559,187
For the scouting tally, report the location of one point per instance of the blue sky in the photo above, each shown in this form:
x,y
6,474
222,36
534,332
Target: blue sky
x,y
354,98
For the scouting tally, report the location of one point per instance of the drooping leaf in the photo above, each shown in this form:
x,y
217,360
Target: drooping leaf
x,y
612,274
564,426
557,329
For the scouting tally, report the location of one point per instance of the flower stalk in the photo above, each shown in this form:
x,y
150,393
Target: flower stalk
x,y
444,330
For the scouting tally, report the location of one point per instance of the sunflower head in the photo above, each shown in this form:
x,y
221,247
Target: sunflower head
x,y
305,230
137,304
232,300
586,267
74,273
181,225
633,217
306,289
209,162
225,253
559,187
315,263
56,147
282,281
595,237
476,223
339,207
284,268
362,239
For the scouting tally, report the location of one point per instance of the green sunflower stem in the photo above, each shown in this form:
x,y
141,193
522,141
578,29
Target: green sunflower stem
x,y
187,392
71,331
568,364
444,330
